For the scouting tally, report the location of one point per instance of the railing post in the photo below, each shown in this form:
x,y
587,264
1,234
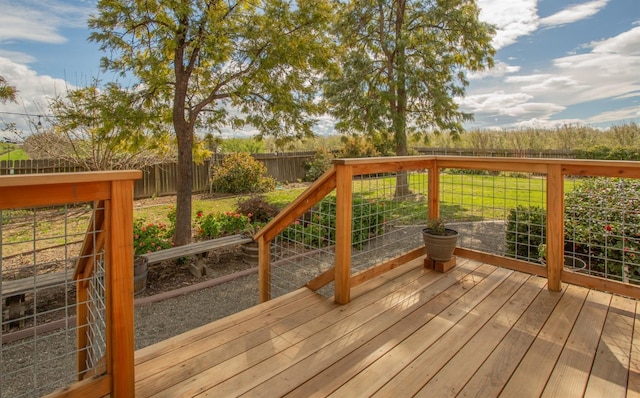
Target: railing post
x,y
344,188
555,226
264,269
434,191
119,273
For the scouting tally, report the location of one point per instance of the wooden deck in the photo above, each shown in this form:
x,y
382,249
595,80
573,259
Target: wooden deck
x,y
477,330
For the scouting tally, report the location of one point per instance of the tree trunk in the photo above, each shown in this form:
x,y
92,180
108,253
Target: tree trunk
x,y
182,234
400,111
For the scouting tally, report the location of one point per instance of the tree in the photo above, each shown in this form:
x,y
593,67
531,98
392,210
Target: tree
x,y
403,65
7,92
100,129
221,64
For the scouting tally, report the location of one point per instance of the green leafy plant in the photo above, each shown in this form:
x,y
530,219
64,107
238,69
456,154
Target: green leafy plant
x,y
150,237
436,226
241,173
526,230
215,225
601,227
602,223
321,162
317,228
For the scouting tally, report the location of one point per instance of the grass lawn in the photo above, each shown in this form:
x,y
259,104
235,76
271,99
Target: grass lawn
x,y
159,213
12,152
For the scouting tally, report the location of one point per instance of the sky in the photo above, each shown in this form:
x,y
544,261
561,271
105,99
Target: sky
x,y
558,62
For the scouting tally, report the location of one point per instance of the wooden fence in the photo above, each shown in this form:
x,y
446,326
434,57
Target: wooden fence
x,y
160,180
500,153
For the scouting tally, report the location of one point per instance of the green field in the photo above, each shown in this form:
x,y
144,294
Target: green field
x,y
463,197
12,152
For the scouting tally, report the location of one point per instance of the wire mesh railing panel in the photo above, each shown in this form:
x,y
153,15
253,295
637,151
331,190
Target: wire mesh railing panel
x,y
499,213
96,318
39,249
602,227
388,212
305,249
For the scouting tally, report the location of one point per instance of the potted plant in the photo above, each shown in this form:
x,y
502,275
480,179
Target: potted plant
x,y
439,241
571,262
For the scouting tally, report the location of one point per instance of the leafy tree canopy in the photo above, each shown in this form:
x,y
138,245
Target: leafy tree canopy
x,y
7,92
220,63
403,65
101,129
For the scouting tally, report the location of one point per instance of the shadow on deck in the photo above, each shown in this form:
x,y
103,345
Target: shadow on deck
x,y
477,330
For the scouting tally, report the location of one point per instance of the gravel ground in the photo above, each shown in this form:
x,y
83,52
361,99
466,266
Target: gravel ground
x,y
161,320
55,367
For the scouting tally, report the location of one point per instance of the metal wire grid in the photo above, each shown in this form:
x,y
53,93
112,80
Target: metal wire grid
x,y
96,319
497,213
304,250
505,214
39,351
387,220
390,211
602,227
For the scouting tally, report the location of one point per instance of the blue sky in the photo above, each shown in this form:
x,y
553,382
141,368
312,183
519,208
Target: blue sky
x,y
558,61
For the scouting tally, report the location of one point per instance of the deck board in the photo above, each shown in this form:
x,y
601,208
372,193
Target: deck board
x,y
477,330
496,370
609,373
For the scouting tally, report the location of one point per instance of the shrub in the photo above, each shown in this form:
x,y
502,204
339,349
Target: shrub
x,y
603,152
321,162
602,222
150,237
357,147
526,230
261,211
241,173
318,227
601,226
215,225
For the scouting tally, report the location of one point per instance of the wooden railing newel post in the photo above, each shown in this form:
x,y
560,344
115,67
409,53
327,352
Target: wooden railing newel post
x,y
119,273
344,189
434,191
555,226
264,268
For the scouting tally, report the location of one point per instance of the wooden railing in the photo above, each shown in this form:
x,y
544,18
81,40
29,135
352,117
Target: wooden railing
x,y
341,175
112,193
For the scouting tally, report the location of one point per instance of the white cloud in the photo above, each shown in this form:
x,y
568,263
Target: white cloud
x,y
34,21
33,96
512,18
545,123
574,13
16,56
610,70
629,113
494,103
40,21
607,72
626,43
513,105
499,69
553,83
